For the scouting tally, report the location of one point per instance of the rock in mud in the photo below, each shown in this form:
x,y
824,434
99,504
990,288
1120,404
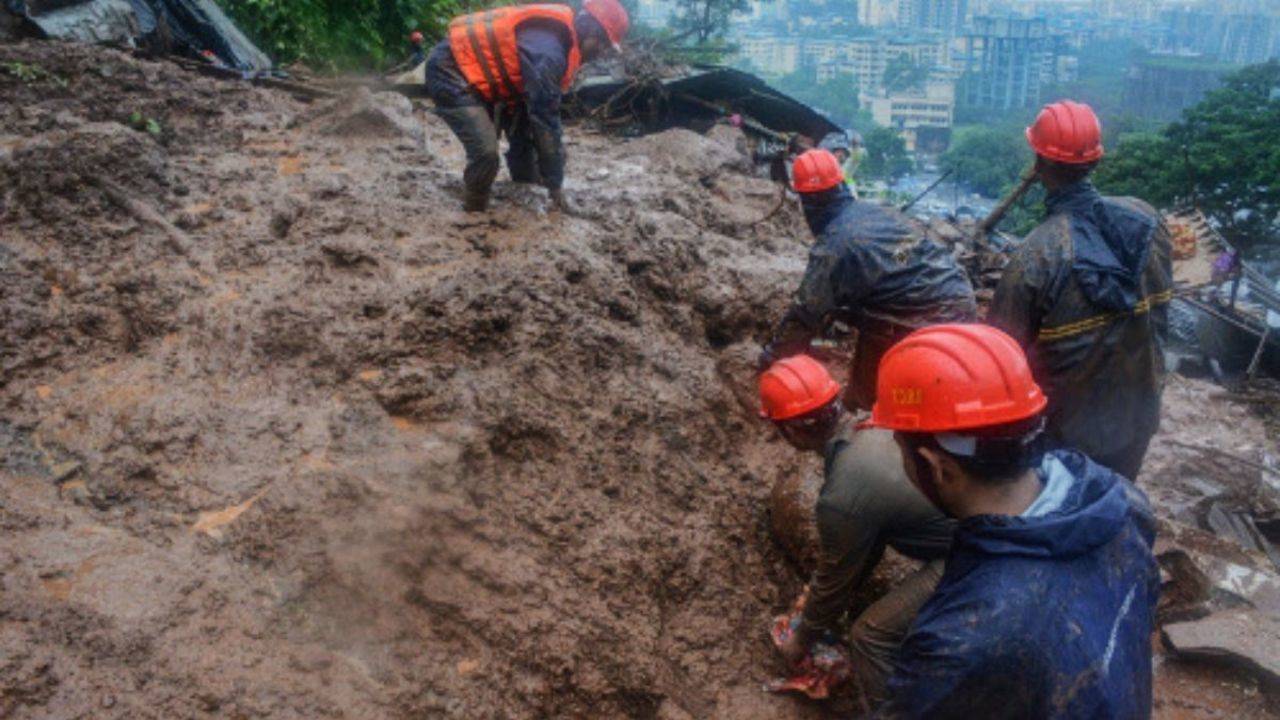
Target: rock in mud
x,y
1247,638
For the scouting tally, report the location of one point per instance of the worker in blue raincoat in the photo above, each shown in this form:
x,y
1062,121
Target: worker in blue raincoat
x,y
1046,605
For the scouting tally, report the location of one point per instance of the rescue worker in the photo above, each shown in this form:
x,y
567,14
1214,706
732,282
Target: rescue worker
x,y
503,71
847,147
1087,296
417,49
1047,603
867,270
866,503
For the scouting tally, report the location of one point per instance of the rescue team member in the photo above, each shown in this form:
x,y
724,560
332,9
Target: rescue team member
x,y
866,503
504,71
1046,606
847,147
1087,296
867,270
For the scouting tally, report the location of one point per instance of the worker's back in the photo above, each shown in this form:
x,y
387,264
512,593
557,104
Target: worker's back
x,y
1045,615
880,268
1087,296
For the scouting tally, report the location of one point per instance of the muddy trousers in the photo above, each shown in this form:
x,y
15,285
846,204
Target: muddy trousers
x,y
879,631
478,128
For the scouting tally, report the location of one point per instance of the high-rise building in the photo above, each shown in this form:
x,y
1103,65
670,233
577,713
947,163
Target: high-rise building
x,y
945,16
1005,62
867,58
1241,38
877,13
1160,87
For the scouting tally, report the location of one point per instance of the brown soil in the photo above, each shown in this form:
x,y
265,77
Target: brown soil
x,y
359,454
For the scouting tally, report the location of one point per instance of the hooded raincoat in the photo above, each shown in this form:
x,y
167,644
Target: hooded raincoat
x,y
869,269
1087,296
1045,615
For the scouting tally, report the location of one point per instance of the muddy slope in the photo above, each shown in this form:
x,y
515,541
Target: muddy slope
x,y
357,454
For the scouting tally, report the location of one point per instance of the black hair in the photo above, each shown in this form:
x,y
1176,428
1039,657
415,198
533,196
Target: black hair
x,y
1002,453
1067,173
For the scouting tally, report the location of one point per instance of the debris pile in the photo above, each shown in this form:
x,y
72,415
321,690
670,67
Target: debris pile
x,y
359,453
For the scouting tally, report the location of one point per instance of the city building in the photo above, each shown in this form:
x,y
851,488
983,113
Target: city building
x,y
867,58
1160,87
1240,38
769,55
944,16
1006,61
877,13
923,117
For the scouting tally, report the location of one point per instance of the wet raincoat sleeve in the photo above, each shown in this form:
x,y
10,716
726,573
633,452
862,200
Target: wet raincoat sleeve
x,y
1016,307
543,61
831,279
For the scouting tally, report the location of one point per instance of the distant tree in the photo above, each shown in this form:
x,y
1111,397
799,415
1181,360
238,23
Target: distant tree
x,y
342,34
1223,155
902,73
837,98
987,160
887,157
705,20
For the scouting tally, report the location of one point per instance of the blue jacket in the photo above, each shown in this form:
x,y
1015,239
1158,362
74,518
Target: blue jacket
x,y
1046,615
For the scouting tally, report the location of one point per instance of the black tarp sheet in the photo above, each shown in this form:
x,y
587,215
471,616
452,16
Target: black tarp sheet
x,y
705,91
187,27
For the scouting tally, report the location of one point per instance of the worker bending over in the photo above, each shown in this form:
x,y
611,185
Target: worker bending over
x,y
867,270
1086,294
1046,606
504,71
866,503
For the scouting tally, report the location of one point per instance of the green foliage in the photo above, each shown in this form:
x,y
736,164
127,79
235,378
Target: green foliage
x,y
1223,155
705,20
29,74
342,34
986,159
142,123
886,157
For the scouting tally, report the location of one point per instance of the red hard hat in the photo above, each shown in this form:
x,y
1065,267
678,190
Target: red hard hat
x,y
794,386
947,378
611,16
415,37
815,171
1068,132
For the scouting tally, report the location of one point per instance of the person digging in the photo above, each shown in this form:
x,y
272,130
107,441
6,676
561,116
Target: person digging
x,y
867,269
503,72
866,504
1046,606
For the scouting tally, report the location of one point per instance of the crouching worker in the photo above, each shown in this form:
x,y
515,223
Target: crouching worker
x,y
1046,606
503,71
866,269
866,503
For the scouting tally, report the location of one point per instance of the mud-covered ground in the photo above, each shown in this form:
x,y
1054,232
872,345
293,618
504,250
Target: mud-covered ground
x,y
284,433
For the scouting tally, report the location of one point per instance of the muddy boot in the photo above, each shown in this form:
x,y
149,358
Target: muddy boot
x,y
475,201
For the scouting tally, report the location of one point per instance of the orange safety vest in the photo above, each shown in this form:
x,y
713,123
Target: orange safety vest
x,y
484,46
